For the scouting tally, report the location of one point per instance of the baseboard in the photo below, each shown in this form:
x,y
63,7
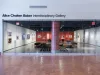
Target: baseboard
x,y
89,44
17,47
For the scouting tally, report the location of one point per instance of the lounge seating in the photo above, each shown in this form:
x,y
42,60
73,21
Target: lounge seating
x,y
37,45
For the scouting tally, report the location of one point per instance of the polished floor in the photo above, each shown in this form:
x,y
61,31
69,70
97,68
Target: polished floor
x,y
49,65
81,48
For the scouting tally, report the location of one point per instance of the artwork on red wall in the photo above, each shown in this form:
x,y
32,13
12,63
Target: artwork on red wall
x,y
45,36
39,36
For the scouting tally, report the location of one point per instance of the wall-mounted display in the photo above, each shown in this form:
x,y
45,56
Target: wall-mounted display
x,y
48,35
23,36
17,37
9,40
28,36
70,36
9,33
39,36
33,34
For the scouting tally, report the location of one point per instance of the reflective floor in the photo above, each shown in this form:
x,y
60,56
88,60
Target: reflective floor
x,y
49,65
81,48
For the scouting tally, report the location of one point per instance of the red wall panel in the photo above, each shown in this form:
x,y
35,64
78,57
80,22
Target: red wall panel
x,y
44,36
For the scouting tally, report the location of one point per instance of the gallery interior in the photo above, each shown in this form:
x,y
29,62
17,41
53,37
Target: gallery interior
x,y
51,37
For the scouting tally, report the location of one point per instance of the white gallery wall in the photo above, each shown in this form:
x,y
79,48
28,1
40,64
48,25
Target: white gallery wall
x,y
87,34
97,37
90,36
75,36
17,31
78,35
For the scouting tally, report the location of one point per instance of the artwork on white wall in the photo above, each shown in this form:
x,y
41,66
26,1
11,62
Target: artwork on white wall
x,y
9,40
9,33
23,36
17,37
32,34
28,36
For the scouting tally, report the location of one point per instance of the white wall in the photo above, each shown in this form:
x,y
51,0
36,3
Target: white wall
x,y
87,34
75,36
92,39
91,36
97,36
78,35
17,31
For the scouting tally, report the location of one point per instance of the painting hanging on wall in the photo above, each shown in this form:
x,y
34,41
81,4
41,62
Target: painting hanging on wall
x,y
23,36
9,40
9,33
17,37
28,36
39,36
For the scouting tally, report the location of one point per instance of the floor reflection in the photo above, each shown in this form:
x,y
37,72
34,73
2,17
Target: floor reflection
x,y
51,65
81,48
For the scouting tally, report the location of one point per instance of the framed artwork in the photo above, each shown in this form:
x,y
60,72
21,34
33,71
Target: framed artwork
x,y
39,36
28,36
9,40
9,33
17,37
70,36
23,36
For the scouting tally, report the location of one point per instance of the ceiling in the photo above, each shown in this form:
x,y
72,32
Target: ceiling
x,y
64,25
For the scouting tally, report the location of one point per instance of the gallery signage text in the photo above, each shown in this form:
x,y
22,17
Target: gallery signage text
x,y
34,15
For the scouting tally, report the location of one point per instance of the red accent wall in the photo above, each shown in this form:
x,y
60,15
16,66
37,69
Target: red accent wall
x,y
44,36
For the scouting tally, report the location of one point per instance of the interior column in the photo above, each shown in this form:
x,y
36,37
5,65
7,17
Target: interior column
x,y
55,36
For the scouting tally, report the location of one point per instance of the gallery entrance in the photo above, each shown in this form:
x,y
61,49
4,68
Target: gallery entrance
x,y
50,36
